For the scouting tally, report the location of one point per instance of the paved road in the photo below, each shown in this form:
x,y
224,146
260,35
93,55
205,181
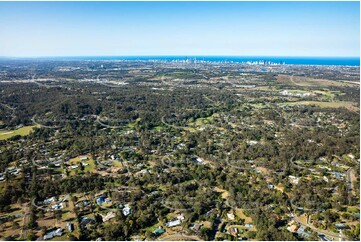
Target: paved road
x,y
319,231
24,230
42,125
349,180
108,126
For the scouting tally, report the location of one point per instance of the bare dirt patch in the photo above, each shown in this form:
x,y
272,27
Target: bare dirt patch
x,y
310,82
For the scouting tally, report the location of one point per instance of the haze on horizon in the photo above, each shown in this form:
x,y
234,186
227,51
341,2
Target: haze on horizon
x,y
180,28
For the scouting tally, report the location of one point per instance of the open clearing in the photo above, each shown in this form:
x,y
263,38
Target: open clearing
x,y
225,194
349,105
6,134
77,160
240,214
310,82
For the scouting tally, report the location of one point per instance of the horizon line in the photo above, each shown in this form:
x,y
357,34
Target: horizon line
x,y
175,55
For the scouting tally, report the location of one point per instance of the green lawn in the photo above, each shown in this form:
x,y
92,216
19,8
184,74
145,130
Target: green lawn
x,y
353,210
202,121
132,125
6,134
158,128
61,238
76,161
90,167
117,163
347,105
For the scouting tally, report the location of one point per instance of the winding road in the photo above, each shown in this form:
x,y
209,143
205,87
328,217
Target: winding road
x,y
349,180
334,235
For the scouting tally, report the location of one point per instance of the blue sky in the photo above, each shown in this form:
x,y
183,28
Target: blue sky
x,y
180,28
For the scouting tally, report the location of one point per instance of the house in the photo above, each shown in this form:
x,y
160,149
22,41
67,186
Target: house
x,y
294,179
127,210
53,233
230,216
252,142
49,200
301,232
173,223
199,160
70,227
83,158
57,206
84,221
325,168
48,236
109,216
293,228
342,226
323,237
245,86
248,226
338,175
85,203
284,93
158,231
144,171
106,163
270,186
100,200
15,172
351,156
209,213
196,227
234,231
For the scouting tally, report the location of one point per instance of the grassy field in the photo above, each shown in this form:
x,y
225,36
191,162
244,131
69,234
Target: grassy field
x,y
309,82
76,161
158,128
202,121
259,105
240,214
6,134
117,163
348,105
353,209
225,194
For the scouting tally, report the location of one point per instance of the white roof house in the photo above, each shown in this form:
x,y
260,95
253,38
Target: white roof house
x,y
230,216
127,210
49,200
173,223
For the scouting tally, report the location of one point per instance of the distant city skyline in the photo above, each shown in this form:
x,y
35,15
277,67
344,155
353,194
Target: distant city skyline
x,y
319,29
